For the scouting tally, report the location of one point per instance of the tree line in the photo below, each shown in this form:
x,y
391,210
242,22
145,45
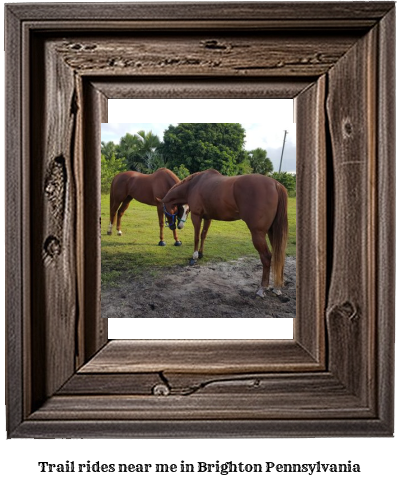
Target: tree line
x,y
188,148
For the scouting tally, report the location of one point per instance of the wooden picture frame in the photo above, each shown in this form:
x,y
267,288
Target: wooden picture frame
x,y
335,378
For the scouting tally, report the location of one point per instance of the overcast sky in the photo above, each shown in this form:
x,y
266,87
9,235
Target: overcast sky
x,y
263,120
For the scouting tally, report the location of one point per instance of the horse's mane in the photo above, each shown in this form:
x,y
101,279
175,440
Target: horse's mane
x,y
192,176
187,179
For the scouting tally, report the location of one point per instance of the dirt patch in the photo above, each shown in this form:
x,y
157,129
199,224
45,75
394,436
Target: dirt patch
x,y
208,290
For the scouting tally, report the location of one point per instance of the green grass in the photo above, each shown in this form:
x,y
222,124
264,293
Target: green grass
x,y
137,250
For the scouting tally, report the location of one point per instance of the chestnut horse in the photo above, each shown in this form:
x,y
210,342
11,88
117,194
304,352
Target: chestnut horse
x,y
147,189
258,200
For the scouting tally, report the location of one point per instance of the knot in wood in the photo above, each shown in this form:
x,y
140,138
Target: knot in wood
x,y
349,310
346,310
52,246
54,188
213,44
161,390
90,47
50,188
347,128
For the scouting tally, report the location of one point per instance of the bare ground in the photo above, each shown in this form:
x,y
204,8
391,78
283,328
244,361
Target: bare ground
x,y
208,290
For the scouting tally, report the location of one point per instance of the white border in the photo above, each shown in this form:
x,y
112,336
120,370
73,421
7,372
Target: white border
x,y
267,112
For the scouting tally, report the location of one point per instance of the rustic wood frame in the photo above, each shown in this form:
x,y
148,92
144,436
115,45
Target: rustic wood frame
x,y
64,379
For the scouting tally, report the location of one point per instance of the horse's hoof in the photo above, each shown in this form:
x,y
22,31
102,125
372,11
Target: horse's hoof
x,y
161,243
261,293
177,243
192,262
200,255
109,233
120,234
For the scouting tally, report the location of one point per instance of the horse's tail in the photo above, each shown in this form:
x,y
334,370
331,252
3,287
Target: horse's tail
x,y
278,235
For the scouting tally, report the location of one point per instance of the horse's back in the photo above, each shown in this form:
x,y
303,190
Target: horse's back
x,y
245,188
148,188
212,196
125,178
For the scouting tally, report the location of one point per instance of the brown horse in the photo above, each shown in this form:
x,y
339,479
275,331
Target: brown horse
x,y
147,189
258,200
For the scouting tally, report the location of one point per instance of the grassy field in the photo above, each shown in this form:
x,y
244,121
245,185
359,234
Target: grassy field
x,y
137,249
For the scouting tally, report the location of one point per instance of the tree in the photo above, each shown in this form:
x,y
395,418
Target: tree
x,y
286,179
127,151
148,143
153,161
259,161
244,165
137,150
108,148
201,146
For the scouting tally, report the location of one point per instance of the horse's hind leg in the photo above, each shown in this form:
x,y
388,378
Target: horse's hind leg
x,y
161,225
204,233
197,227
113,209
259,241
124,206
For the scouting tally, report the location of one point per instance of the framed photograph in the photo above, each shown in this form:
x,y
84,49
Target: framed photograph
x,y
149,272
65,377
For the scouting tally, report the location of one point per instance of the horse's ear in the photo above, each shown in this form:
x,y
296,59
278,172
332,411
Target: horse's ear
x,y
158,199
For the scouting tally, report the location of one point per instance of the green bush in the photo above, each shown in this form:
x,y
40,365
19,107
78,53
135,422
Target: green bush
x,y
109,169
287,180
181,171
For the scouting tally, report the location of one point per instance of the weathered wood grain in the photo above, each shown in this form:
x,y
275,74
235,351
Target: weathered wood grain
x,y
173,87
311,167
95,331
351,108
241,54
192,428
385,224
359,13
200,356
185,384
300,397
15,259
104,105
53,211
77,148
299,24
215,407
113,384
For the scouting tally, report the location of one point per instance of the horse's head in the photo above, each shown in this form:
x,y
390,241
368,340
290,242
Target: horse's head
x,y
175,215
